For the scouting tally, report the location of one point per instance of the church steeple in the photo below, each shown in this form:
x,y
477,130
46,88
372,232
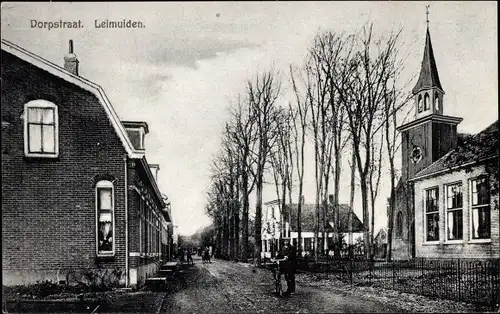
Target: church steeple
x,y
429,76
428,91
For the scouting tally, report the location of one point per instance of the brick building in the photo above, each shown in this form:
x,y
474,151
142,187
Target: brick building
x,y
78,194
437,162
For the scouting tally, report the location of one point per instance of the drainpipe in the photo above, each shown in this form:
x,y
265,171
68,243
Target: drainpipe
x,y
126,222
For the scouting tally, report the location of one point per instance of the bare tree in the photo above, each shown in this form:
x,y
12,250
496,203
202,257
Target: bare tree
x,y
326,121
282,165
263,93
365,75
394,102
299,122
242,132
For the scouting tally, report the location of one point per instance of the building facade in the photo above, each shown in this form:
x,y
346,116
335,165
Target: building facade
x,y
278,226
77,192
427,142
456,207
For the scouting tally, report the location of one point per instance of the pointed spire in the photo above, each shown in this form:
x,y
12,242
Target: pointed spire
x,y
429,76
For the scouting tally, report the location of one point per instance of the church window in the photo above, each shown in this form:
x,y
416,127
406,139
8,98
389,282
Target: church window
x,y
420,105
431,214
454,220
416,155
426,102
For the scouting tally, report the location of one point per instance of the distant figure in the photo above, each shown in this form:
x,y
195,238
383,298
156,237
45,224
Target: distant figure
x,y
189,256
206,256
181,255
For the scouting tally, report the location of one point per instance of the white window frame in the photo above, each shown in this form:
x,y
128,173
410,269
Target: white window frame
x,y
425,214
470,207
104,184
446,210
43,104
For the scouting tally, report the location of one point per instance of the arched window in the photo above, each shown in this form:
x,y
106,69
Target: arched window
x,y
105,218
399,224
420,105
426,102
41,129
437,104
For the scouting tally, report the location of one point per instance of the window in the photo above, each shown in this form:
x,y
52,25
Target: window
x,y
105,218
399,224
41,129
481,219
432,214
307,244
436,103
420,105
426,102
454,221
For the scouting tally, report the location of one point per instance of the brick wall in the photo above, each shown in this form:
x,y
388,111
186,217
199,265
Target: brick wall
x,y
48,205
466,248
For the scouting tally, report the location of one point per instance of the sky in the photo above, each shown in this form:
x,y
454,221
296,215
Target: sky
x,y
180,72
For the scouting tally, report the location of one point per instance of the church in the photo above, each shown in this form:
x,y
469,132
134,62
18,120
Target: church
x,y
446,202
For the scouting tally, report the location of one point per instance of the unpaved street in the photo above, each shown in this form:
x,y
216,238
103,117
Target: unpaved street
x,y
228,287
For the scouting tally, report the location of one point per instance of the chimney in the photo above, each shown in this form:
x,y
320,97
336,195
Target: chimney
x,y
154,169
302,199
70,60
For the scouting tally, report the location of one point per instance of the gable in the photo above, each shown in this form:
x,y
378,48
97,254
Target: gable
x,y
87,85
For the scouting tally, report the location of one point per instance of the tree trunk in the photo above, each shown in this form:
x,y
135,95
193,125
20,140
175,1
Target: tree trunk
x,y
392,207
258,216
244,229
366,223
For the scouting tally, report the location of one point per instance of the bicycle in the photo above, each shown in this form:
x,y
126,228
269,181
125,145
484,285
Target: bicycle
x,y
277,276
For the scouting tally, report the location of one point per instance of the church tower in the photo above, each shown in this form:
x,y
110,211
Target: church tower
x,y
431,134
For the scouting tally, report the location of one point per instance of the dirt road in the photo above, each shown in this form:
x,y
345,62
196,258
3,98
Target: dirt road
x,y
228,287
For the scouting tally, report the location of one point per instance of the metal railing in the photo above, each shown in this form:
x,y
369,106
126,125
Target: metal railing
x,y
468,280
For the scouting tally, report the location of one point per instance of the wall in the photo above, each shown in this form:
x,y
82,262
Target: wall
x,y
48,205
466,248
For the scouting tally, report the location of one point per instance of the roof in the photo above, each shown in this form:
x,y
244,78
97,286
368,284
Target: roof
x,y
91,87
470,149
429,76
80,82
308,212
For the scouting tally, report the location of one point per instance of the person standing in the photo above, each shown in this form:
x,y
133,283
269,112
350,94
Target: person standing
x,y
190,256
290,253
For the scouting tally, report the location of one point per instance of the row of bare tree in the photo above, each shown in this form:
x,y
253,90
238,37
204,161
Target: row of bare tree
x,y
345,98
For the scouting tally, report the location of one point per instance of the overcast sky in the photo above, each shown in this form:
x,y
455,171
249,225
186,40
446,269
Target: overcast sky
x,y
180,71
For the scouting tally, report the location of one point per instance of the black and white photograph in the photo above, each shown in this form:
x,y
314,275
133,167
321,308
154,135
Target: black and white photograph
x,y
250,157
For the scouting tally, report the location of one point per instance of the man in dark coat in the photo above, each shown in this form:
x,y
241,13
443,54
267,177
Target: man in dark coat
x,y
290,252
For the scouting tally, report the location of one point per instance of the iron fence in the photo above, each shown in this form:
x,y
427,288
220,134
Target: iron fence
x,y
467,280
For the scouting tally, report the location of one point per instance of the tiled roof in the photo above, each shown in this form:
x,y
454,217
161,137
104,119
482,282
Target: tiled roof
x,y
429,76
470,148
308,213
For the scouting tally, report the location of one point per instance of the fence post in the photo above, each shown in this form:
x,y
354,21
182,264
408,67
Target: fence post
x,y
459,282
